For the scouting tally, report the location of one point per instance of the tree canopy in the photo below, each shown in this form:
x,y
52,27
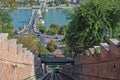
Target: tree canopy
x,y
51,46
5,19
12,4
5,23
54,28
30,42
41,28
92,22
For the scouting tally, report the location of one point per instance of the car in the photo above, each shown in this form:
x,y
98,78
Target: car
x,y
56,37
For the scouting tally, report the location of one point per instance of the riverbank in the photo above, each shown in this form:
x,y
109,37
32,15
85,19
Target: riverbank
x,y
53,7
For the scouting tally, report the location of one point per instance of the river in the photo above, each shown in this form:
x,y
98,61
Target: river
x,y
53,16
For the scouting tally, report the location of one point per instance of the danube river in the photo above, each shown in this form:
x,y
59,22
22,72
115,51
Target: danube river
x,y
53,16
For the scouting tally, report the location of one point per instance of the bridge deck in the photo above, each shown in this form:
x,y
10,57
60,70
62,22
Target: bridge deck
x,y
56,60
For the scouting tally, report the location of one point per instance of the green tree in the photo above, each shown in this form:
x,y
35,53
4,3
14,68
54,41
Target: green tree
x,y
62,30
52,31
51,46
55,26
5,23
12,4
57,2
51,3
5,19
67,3
9,29
41,28
63,1
26,2
91,21
43,51
30,42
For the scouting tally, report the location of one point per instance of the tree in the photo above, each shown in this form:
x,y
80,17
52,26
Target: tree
x,y
9,29
53,29
63,1
30,42
62,30
51,46
43,51
67,3
5,19
51,3
91,21
41,28
26,2
5,23
55,26
57,2
12,4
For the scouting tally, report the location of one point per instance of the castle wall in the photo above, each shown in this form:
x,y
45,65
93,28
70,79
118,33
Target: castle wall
x,y
16,62
105,66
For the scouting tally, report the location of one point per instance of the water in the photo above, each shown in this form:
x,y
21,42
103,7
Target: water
x,y
53,16
20,17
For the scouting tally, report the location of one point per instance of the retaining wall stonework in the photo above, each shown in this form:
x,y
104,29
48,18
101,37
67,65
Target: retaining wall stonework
x,y
16,62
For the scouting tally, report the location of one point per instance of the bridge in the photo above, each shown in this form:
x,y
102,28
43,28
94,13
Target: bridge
x,y
36,16
56,61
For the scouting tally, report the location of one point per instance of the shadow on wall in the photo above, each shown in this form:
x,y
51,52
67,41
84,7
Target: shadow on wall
x,y
37,66
16,62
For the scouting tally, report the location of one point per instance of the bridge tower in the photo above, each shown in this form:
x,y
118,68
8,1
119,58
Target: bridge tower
x,y
40,21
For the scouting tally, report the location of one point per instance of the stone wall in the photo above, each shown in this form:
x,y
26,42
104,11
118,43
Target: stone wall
x,y
105,66
16,62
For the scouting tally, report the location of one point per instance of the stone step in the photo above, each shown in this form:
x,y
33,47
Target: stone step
x,y
105,46
3,36
11,42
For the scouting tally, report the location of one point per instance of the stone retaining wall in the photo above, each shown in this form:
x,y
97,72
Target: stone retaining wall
x,y
16,62
105,66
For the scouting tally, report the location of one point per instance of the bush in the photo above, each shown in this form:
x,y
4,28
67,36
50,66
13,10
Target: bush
x,y
52,31
41,28
51,46
97,51
55,26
